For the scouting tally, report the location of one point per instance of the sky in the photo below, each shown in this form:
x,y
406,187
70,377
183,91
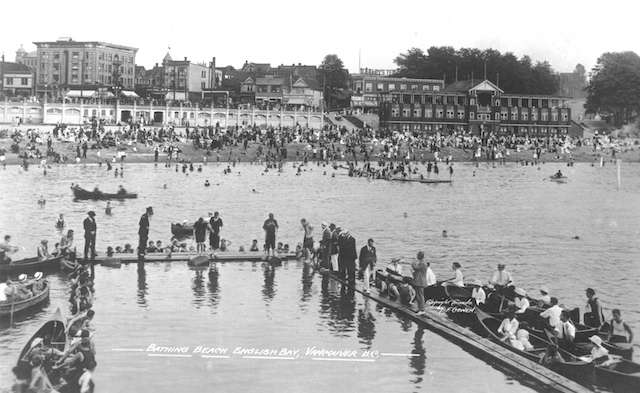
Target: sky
x,y
369,33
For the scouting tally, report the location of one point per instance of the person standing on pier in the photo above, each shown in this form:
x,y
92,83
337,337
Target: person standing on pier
x,y
90,228
200,233
270,227
347,255
368,259
143,232
215,223
420,280
307,240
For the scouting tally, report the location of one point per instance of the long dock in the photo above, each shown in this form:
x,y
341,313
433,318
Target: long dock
x,y
470,341
185,256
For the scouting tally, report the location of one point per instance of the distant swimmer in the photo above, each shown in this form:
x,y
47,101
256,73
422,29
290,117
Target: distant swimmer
x,y
405,215
42,201
107,210
206,183
576,237
164,186
444,233
254,191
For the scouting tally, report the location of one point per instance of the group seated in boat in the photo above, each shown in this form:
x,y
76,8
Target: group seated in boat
x,y
23,289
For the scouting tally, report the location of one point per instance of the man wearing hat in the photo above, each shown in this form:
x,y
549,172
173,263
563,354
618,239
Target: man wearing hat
x,y
143,232
521,302
325,246
90,229
38,284
333,247
501,278
545,298
368,259
420,280
347,255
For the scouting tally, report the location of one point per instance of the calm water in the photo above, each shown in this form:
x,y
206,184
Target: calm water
x,y
506,214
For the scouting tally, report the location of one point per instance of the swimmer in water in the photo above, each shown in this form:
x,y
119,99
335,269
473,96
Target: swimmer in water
x,y
405,215
206,183
444,233
164,186
107,210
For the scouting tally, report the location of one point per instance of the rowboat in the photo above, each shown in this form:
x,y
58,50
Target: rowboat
x,y
181,230
31,265
622,376
81,193
571,366
558,179
52,334
6,308
425,181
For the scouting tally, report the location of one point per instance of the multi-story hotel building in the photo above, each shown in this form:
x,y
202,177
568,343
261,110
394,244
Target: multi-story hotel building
x,y
479,107
68,64
369,86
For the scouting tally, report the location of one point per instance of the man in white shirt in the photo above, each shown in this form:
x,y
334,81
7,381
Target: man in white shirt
x,y
509,326
431,276
501,277
521,301
553,313
478,294
545,298
566,331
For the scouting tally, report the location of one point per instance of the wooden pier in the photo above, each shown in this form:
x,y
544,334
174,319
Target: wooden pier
x,y
477,345
186,256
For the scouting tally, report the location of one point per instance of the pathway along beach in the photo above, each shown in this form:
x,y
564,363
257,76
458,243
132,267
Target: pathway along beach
x,y
508,214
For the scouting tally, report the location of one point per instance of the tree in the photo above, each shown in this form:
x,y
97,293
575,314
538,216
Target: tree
x,y
614,85
515,75
334,80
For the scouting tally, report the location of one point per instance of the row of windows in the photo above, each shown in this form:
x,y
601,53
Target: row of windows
x,y
10,81
368,87
460,114
503,130
101,56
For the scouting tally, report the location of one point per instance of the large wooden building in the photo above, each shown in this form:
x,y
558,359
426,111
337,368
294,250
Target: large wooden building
x,y
479,107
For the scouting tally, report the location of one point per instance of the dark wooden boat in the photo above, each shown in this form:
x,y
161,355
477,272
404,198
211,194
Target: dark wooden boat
x,y
561,179
426,181
52,333
81,193
31,265
622,376
572,367
67,265
181,230
6,308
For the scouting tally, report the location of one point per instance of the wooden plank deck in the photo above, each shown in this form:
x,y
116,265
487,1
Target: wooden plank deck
x,y
185,256
469,340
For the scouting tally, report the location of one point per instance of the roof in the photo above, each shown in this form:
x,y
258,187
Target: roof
x,y
72,43
465,86
14,68
269,81
167,57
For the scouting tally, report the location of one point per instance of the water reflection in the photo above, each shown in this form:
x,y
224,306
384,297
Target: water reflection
x,y
197,287
307,281
268,289
213,286
366,324
418,363
142,285
338,307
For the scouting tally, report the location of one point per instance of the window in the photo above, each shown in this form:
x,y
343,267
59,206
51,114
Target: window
x,y
56,78
417,112
436,87
395,112
403,87
534,115
428,113
544,115
406,112
9,81
438,100
414,87
425,87
525,116
392,86
203,74
496,116
368,87
75,55
472,101
514,115
24,81
504,116
439,113
554,116
380,86
472,115
460,114
565,115
56,66
56,56
203,85
449,113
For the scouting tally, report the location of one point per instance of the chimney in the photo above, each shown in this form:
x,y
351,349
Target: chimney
x,y
185,58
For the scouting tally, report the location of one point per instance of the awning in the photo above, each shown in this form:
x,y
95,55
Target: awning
x,y
297,101
127,93
176,96
80,93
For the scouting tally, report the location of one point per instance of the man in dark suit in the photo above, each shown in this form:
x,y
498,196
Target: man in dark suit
x,y
347,255
368,260
90,229
143,232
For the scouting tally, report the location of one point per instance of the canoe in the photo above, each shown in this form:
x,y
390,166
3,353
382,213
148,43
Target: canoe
x,y
20,305
425,181
81,193
30,265
572,367
621,376
181,231
52,333
562,179
111,262
53,329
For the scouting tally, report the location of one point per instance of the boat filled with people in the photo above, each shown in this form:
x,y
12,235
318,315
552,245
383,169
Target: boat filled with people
x,y
80,193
